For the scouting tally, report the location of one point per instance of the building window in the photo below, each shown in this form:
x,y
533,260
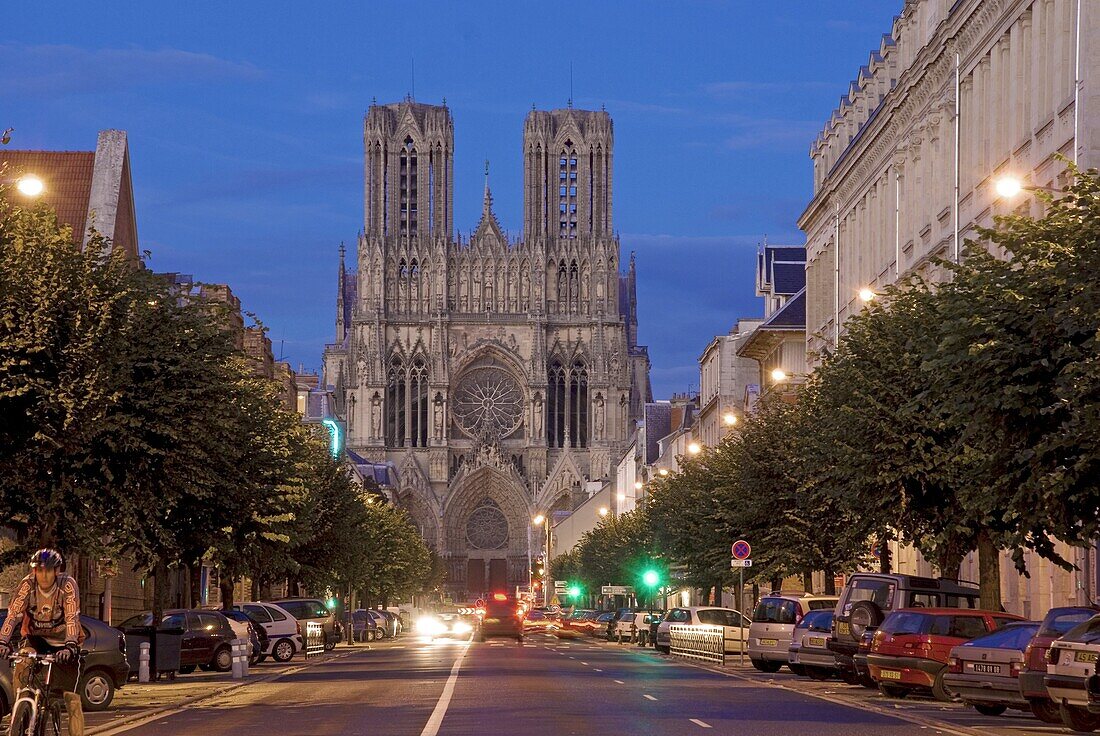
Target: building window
x,y
567,405
567,195
408,189
406,403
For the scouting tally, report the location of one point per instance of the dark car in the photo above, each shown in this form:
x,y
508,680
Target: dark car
x,y
502,619
869,597
105,668
363,626
985,671
207,637
604,622
1056,623
257,635
313,610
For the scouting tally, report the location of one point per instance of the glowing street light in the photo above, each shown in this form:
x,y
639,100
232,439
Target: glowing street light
x,y
1008,187
637,485
651,578
604,511
538,520
779,375
620,496
729,419
30,185
663,471
694,448
866,295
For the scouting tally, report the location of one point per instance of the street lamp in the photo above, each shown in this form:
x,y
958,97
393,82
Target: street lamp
x,y
729,419
866,295
779,375
695,448
537,521
30,185
603,511
1010,186
662,471
543,521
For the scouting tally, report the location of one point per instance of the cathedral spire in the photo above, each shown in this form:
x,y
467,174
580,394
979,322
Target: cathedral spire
x,y
487,202
340,284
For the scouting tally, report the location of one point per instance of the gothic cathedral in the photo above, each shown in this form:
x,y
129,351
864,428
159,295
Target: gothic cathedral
x,y
498,377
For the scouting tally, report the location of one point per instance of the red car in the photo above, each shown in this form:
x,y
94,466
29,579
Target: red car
x,y
1056,623
911,647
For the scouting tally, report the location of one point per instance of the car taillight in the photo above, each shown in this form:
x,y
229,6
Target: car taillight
x,y
298,626
954,665
1014,669
1052,655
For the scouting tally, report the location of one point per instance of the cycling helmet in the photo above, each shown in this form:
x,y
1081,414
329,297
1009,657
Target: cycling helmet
x,y
47,558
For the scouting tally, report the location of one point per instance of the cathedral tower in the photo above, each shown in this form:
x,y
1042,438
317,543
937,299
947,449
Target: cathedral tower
x,y
567,174
409,164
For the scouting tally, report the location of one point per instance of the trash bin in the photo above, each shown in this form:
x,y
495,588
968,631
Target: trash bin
x,y
165,651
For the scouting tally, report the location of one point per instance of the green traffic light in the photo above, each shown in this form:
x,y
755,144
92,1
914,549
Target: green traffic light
x,y
331,603
651,578
574,591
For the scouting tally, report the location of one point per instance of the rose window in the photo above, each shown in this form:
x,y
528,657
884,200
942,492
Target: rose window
x,y
488,404
487,527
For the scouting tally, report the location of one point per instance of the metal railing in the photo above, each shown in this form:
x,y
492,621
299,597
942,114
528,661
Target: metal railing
x,y
315,639
706,643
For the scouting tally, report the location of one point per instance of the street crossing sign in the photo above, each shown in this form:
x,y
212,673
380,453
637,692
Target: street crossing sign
x,y
740,563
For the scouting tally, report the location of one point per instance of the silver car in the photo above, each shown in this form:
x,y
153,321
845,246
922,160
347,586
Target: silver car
x,y
773,624
809,653
985,671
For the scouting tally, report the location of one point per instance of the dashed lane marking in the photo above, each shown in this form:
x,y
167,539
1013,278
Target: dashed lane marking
x,y
598,669
619,682
647,696
585,663
700,724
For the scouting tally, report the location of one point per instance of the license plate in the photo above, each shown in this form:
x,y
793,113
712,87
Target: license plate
x,y
889,675
816,641
769,642
842,628
1084,657
492,620
989,669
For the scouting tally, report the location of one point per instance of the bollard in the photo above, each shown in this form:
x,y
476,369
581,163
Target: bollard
x,y
246,656
143,662
238,673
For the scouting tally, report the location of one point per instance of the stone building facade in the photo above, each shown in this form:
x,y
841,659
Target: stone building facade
x,y
885,166
498,376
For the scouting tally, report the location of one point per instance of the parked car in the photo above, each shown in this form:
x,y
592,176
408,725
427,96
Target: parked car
x,y
579,620
246,628
985,671
860,674
1057,622
207,637
363,626
620,626
912,645
773,624
633,626
1071,665
312,610
868,597
735,625
393,621
381,622
644,626
502,619
809,653
284,632
105,667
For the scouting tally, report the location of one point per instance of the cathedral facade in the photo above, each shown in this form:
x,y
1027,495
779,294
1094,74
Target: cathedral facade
x,y
498,376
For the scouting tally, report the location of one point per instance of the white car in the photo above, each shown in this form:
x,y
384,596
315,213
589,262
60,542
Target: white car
x,y
284,633
773,624
1071,665
735,625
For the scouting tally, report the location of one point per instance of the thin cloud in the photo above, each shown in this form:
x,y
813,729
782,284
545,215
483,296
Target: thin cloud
x,y
63,69
740,87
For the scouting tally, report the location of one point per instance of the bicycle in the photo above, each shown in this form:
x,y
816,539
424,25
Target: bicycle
x,y
35,708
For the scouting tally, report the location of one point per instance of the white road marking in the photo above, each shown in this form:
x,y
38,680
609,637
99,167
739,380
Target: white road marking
x,y
585,663
431,728
619,682
598,669
700,724
649,697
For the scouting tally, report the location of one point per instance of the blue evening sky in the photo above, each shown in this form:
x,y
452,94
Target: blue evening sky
x,y
245,125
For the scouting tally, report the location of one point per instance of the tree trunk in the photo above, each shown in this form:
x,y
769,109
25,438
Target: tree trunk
x,y
226,584
777,585
830,582
193,598
989,572
885,564
160,590
808,581
255,589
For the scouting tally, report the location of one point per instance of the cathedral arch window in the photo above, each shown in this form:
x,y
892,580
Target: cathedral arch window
x,y
406,403
567,191
567,405
408,192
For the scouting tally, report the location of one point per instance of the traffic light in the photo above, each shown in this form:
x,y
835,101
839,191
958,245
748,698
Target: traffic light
x,y
330,603
651,578
574,590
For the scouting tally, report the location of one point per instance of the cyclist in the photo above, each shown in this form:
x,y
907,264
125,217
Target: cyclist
x,y
47,604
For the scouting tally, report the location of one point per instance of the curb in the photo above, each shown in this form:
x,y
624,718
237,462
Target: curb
x,y
153,712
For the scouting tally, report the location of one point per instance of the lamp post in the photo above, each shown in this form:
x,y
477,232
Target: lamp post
x,y
543,520
29,185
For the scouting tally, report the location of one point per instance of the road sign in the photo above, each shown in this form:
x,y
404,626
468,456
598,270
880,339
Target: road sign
x,y
479,603
560,586
740,563
876,549
617,590
741,550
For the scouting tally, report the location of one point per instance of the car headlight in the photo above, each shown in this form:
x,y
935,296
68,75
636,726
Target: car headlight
x,y
461,627
429,626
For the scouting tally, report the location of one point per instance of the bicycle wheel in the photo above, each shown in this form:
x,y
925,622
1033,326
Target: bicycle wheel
x,y
21,720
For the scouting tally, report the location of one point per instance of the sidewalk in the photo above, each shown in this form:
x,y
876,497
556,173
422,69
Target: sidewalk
x,y
136,700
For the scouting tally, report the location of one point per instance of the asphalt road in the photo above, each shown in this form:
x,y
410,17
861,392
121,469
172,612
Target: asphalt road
x,y
545,687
